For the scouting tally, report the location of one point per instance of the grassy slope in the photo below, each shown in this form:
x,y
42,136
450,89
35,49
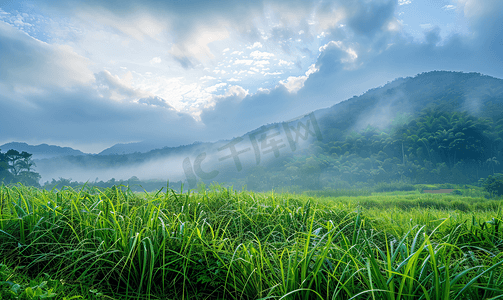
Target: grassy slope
x,y
244,245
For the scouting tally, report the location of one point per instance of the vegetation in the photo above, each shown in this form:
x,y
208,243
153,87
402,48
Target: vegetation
x,y
436,146
17,167
219,243
494,184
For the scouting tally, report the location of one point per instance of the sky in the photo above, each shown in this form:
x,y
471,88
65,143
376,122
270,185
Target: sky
x,y
90,74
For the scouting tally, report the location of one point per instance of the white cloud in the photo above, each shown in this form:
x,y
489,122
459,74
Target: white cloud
x,y
207,78
236,90
273,73
260,55
255,45
284,63
351,53
116,88
237,53
404,2
233,79
215,87
261,63
225,50
254,69
294,84
155,60
35,64
243,62
449,7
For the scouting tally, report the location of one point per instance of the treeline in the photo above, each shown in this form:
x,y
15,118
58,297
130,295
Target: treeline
x,y
434,147
18,167
133,183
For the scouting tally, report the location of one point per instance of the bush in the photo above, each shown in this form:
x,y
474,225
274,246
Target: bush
x,y
494,184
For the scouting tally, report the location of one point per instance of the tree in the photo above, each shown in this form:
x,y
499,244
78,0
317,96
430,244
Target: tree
x,y
494,184
17,167
492,161
5,175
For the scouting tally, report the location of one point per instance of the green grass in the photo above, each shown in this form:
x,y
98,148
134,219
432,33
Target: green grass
x,y
224,244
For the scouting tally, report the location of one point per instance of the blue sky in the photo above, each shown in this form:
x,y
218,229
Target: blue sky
x,y
89,74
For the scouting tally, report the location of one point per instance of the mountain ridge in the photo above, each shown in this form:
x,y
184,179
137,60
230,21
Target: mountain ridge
x,y
42,151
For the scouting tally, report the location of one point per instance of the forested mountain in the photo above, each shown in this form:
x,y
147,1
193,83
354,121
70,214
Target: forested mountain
x,y
432,128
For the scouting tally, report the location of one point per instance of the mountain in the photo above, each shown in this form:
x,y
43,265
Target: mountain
x,y
334,138
479,95
127,148
42,151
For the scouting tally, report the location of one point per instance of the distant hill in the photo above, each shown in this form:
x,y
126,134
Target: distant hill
x,y
42,151
127,148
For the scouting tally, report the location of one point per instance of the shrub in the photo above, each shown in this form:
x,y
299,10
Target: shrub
x,y
494,184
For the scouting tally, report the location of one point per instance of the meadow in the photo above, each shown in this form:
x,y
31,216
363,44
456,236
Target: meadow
x,y
219,243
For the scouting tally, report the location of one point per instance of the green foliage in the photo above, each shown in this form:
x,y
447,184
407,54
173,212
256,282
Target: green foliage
x,y
17,167
14,285
220,243
494,184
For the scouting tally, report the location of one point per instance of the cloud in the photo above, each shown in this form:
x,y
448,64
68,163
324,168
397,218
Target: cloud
x,y
345,54
114,88
215,87
272,74
155,60
294,84
284,63
156,101
29,63
368,18
189,30
261,63
261,55
81,114
243,62
207,78
255,45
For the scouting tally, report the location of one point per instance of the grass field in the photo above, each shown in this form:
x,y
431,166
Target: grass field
x,y
224,244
